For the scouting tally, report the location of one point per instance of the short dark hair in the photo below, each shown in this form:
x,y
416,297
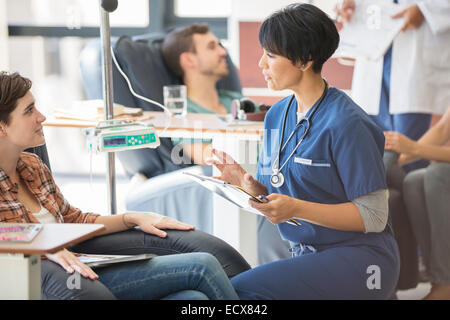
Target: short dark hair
x,y
12,88
178,41
300,33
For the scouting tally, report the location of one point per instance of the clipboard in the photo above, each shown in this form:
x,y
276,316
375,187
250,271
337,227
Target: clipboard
x,y
371,31
234,194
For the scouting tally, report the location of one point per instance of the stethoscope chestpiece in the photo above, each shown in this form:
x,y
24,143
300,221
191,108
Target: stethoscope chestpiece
x,y
277,179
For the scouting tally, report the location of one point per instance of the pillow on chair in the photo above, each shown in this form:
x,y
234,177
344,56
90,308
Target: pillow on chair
x,y
144,65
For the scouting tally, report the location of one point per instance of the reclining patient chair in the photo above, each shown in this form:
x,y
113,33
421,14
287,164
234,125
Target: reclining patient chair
x,y
41,151
166,191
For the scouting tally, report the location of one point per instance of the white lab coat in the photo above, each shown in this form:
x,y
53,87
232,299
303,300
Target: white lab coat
x,y
420,72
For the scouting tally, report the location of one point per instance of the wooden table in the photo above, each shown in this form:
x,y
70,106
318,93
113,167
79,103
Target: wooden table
x,y
20,276
232,224
209,124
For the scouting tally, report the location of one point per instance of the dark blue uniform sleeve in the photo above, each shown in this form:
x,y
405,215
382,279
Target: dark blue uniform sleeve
x,y
358,155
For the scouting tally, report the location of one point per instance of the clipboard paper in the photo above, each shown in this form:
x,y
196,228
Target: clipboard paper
x,y
371,30
235,194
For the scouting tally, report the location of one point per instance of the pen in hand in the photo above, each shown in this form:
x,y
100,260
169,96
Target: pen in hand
x,y
264,199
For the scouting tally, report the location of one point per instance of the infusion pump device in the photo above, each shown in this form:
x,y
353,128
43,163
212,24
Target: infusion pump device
x,y
121,135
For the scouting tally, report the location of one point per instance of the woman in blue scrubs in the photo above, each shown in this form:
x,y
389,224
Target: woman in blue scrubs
x,y
321,166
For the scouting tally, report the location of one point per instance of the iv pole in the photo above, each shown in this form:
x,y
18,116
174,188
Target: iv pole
x,y
107,6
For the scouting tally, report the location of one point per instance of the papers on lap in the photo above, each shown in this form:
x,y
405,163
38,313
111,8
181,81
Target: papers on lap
x,y
22,232
97,260
371,29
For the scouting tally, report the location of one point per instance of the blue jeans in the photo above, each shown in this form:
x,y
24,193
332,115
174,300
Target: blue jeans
x,y
134,241
180,276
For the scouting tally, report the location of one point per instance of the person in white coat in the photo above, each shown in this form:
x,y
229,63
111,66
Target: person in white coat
x,y
412,81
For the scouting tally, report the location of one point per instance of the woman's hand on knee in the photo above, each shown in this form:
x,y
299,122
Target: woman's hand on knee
x,y
152,223
70,263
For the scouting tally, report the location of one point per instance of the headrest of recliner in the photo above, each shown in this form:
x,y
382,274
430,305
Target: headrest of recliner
x,y
144,66
141,60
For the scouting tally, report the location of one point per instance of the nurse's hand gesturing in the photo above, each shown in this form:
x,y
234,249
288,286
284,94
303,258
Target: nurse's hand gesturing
x,y
280,208
233,173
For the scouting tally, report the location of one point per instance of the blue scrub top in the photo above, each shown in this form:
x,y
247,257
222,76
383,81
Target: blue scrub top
x,y
340,159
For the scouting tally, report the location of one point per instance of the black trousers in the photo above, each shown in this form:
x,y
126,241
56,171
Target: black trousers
x,y
54,278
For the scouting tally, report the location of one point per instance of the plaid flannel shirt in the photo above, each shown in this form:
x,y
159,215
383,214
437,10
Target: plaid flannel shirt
x,y
39,181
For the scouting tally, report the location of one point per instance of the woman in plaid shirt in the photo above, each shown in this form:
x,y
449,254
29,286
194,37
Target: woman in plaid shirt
x,y
28,194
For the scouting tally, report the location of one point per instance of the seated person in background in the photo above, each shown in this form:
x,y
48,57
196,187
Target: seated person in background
x,y
28,194
425,192
195,55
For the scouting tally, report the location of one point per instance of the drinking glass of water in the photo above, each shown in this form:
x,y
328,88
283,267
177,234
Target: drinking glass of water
x,y
175,99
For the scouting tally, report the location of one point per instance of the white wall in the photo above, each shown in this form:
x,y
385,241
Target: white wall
x,y
249,10
326,5
4,61
258,10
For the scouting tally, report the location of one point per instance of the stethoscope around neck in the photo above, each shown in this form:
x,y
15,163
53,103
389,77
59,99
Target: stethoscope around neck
x,y
277,178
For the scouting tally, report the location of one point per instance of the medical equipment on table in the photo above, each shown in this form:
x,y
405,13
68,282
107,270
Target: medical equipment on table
x,y
119,135
277,178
